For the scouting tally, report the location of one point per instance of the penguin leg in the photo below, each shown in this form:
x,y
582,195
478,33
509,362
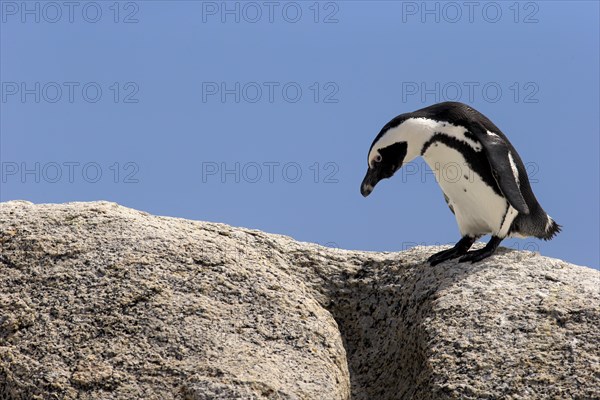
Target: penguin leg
x,y
478,255
459,249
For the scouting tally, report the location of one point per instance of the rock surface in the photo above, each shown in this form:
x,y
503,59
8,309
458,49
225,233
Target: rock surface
x,y
99,301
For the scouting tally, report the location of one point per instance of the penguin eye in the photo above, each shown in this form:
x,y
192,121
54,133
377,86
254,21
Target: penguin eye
x,y
378,158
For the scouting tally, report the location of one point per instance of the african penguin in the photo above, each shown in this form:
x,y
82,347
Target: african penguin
x,y
491,196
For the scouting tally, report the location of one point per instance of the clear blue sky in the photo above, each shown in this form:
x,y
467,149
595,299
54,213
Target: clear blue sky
x,y
261,114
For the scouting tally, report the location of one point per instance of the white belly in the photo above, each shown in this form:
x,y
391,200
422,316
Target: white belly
x,y
478,209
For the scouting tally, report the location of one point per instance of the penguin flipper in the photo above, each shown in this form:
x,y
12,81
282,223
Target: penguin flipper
x,y
504,168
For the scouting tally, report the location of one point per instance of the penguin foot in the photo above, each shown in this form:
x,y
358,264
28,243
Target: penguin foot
x,y
478,255
458,250
445,255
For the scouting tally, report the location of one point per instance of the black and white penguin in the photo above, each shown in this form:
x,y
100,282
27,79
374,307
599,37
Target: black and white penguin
x,y
493,194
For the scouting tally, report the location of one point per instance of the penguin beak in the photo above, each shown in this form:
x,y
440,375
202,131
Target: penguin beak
x,y
368,184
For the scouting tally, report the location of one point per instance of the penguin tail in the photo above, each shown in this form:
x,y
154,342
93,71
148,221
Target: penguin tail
x,y
550,230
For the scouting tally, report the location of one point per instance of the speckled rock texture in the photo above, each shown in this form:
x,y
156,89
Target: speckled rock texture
x,y
99,301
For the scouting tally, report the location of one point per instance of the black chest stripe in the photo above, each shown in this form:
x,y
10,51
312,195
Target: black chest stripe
x,y
504,216
476,160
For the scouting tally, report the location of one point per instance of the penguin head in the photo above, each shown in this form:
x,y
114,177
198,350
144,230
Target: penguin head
x,y
383,164
394,146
